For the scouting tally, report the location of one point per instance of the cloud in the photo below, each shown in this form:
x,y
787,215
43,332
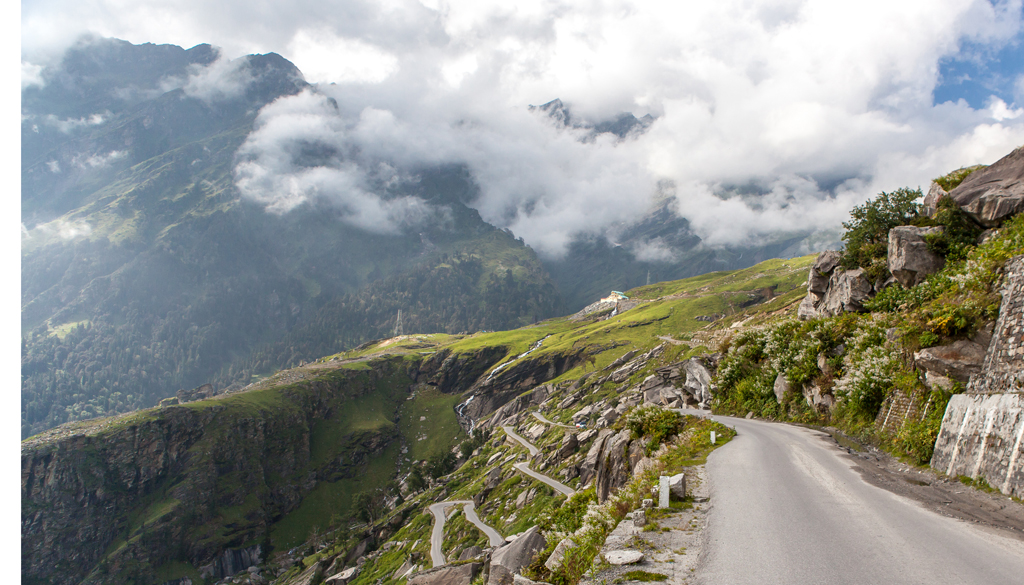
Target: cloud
x,y
62,228
773,117
298,154
224,79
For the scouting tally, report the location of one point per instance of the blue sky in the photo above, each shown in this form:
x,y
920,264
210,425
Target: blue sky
x,y
980,71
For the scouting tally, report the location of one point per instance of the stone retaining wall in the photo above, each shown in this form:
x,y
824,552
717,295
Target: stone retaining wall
x,y
982,430
1003,369
981,437
900,408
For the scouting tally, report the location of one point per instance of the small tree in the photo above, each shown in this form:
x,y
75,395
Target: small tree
x,y
415,480
867,233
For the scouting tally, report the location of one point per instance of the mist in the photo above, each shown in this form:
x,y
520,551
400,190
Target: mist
x,y
771,118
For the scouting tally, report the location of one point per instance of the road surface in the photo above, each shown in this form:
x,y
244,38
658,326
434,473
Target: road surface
x,y
524,468
529,446
544,419
437,533
788,507
559,487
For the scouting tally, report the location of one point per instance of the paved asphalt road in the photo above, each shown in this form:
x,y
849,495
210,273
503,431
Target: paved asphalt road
x,y
523,467
437,533
787,507
558,487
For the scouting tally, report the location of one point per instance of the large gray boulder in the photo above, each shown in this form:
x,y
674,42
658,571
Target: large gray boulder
x,y
930,205
568,447
847,291
821,271
588,469
995,193
554,562
910,260
512,557
698,380
781,387
449,575
957,361
831,290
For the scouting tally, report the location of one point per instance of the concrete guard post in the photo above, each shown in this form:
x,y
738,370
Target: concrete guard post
x,y
663,491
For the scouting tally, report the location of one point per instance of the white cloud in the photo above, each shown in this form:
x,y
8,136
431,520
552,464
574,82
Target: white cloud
x,y
325,58
224,79
31,75
773,117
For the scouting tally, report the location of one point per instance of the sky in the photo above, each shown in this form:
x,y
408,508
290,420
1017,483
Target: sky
x,y
772,118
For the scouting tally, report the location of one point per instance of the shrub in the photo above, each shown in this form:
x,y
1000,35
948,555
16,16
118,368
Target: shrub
x,y
960,233
952,180
867,233
654,423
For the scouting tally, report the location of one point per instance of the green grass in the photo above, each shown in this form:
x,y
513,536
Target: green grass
x,y
639,575
441,427
331,501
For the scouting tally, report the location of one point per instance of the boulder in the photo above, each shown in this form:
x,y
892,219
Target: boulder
x,y
930,205
344,577
614,466
782,387
568,447
518,579
623,557
995,193
472,552
535,432
512,557
821,270
554,562
958,360
448,575
677,485
610,415
586,435
822,401
910,260
806,310
493,477
847,290
589,466
698,380
640,518
408,567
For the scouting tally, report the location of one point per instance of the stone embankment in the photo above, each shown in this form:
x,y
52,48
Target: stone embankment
x,y
982,429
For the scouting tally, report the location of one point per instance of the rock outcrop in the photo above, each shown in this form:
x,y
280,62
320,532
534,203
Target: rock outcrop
x,y
959,360
832,290
983,430
995,193
448,575
512,557
909,259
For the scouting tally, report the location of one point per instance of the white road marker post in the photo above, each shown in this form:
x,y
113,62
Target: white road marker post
x,y
663,491
712,437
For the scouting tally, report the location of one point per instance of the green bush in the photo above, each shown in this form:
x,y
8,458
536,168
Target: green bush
x,y
867,233
960,233
654,423
952,180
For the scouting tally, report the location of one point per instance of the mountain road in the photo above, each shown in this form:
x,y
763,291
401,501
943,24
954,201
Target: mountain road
x,y
789,506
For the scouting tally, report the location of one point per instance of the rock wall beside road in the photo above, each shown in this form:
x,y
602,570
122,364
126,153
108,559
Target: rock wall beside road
x,y
981,438
982,430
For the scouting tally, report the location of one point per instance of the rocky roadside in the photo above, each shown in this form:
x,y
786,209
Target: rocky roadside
x,y
937,492
668,541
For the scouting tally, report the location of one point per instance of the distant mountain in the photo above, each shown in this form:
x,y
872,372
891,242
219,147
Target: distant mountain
x,y
144,271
